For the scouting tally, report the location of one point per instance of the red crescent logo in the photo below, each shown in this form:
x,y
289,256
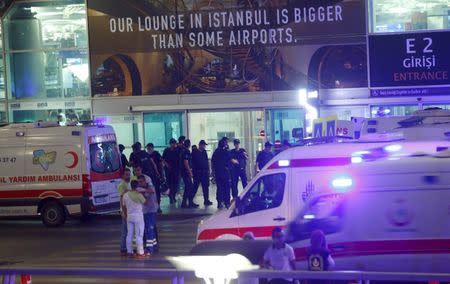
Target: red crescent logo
x,y
75,159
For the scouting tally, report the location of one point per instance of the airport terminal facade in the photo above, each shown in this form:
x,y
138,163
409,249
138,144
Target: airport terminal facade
x,y
158,69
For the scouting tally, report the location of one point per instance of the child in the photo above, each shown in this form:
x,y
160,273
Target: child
x,y
133,203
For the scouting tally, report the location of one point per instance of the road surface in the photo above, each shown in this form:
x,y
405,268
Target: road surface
x,y
94,244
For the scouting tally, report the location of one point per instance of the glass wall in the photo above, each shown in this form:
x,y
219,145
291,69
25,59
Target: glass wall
x,y
401,110
62,111
2,113
128,128
46,58
409,15
281,122
159,127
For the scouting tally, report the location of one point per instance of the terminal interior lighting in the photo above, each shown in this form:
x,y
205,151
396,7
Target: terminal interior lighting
x,y
311,112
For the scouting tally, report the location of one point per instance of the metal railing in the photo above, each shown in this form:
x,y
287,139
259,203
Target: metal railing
x,y
178,276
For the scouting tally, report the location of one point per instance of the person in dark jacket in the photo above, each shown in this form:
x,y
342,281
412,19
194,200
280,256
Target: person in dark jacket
x,y
220,163
187,175
239,157
200,167
123,158
171,158
318,256
264,156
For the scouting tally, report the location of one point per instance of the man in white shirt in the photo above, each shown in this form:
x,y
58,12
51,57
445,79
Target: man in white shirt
x,y
279,256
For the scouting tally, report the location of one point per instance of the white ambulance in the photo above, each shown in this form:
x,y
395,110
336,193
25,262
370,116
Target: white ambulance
x,y
291,183
58,171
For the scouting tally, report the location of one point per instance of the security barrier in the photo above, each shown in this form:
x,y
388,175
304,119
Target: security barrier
x,y
178,277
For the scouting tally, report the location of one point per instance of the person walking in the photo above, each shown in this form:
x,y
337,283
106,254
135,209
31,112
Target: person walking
x,y
157,172
239,157
132,206
200,169
124,187
264,156
220,162
171,159
187,175
279,256
149,210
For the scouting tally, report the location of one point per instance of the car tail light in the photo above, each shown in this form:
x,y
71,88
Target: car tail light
x,y
87,192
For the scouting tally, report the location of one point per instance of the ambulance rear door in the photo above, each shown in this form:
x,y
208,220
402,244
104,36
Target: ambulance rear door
x,y
104,167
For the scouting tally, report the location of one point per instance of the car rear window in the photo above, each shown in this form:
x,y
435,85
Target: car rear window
x,y
105,157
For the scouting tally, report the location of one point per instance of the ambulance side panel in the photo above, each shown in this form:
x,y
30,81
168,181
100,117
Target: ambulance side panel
x,y
12,163
54,160
396,218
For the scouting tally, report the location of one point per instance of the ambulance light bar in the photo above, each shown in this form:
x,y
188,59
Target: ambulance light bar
x,y
342,184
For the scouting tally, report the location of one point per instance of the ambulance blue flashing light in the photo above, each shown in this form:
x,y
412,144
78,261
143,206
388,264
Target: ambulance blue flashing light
x,y
393,148
309,217
284,163
342,184
357,160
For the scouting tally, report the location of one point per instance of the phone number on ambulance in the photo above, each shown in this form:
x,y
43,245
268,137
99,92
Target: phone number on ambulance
x,y
7,159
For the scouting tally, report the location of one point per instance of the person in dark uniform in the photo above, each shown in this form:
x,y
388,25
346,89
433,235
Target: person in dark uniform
x,y
157,173
239,158
123,158
171,158
142,158
187,175
220,162
264,156
200,167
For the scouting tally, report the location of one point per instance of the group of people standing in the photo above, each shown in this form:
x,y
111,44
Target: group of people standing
x,y
183,163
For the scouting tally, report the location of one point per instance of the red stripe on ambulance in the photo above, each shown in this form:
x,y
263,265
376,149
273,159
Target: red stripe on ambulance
x,y
57,193
364,248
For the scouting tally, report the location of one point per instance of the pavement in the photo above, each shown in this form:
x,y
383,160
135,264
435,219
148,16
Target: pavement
x,y
26,242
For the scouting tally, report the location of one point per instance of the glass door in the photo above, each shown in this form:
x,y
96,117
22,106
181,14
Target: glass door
x,y
281,122
159,127
244,125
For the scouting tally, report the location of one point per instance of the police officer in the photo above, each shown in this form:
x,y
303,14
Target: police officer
x,y
171,159
239,164
200,167
264,156
187,175
220,162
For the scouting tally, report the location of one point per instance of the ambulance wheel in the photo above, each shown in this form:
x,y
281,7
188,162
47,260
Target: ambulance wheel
x,y
53,214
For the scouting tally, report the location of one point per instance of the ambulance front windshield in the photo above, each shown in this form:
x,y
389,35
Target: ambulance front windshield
x,y
105,157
